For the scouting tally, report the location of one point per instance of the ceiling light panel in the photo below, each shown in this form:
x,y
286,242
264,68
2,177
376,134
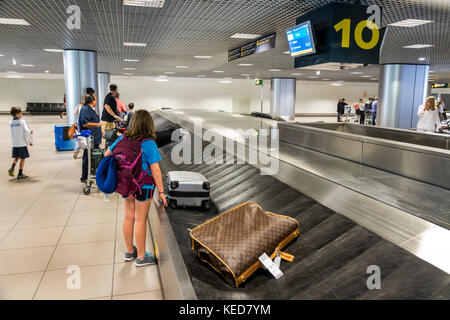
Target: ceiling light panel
x,y
245,36
134,44
144,3
418,46
17,22
410,23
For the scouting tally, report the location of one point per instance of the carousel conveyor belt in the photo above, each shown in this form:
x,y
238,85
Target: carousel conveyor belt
x,y
332,253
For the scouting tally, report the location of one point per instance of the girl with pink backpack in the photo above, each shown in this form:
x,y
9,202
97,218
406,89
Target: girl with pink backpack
x,y
138,174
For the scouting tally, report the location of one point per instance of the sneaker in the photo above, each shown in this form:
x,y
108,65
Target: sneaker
x,y
22,176
131,256
147,260
11,172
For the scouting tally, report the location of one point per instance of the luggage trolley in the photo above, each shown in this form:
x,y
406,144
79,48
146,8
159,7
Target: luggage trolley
x,y
87,142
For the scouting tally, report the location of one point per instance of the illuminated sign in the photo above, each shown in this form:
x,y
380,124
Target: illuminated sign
x,y
257,46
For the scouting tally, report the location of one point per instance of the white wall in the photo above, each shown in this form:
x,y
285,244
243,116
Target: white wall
x,y
185,93
321,97
17,92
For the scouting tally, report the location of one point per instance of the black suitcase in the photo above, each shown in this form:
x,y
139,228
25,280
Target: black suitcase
x,y
164,135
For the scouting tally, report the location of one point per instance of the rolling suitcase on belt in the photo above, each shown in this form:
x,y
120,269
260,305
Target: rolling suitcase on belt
x,y
232,242
187,189
164,135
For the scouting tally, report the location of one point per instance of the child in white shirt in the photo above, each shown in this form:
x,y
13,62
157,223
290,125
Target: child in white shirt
x,y
21,137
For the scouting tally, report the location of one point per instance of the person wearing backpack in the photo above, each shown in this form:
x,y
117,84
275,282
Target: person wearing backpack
x,y
136,157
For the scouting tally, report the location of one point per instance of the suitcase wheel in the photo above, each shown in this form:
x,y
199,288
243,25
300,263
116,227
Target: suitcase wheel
x,y
87,190
173,203
205,204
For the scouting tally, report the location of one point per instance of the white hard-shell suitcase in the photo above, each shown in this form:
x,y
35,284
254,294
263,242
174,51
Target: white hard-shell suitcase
x,y
187,189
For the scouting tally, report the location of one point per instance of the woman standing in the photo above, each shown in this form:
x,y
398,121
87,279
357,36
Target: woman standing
x,y
428,116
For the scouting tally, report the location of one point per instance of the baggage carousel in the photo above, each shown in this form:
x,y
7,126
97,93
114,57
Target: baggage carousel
x,y
332,253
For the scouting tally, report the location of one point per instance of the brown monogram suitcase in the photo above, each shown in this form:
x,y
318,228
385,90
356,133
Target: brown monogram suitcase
x,y
232,242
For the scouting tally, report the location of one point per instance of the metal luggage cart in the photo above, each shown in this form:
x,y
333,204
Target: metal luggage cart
x,y
87,142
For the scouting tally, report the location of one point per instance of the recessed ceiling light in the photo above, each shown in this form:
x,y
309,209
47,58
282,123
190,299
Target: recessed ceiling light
x,y
313,77
326,79
287,52
336,84
128,74
54,50
374,79
356,72
14,61
27,65
144,3
275,70
134,44
169,72
203,57
46,71
163,76
245,64
218,71
410,23
226,81
418,46
182,67
2,55
15,76
19,22
11,71
201,76
130,60
245,36
318,72
129,69
245,75
161,80
366,76
422,59
297,74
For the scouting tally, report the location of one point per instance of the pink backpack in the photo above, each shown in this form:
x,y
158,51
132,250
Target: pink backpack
x,y
130,175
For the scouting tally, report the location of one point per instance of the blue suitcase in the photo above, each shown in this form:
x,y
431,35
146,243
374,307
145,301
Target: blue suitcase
x,y
62,140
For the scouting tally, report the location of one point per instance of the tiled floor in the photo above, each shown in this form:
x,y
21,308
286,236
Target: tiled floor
x,y
47,224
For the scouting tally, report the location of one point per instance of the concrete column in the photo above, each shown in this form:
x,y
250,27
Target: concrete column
x,y
282,97
80,72
104,79
402,89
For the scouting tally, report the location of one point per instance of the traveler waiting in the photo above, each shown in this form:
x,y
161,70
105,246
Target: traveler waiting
x,y
130,114
341,109
137,206
374,111
89,120
444,109
110,112
362,115
91,92
428,116
121,107
21,137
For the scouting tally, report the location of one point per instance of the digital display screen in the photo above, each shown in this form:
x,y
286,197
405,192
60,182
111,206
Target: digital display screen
x,y
301,40
439,85
256,46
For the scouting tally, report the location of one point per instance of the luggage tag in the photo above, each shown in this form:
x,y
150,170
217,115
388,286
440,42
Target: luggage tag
x,y
268,263
277,260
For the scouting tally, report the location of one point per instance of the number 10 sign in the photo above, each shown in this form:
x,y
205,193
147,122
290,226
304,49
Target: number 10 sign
x,y
345,33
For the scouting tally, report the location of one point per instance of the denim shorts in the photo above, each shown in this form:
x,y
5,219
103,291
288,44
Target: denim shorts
x,y
143,196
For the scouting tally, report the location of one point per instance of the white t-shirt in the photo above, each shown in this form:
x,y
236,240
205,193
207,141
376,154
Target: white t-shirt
x,y
428,120
20,133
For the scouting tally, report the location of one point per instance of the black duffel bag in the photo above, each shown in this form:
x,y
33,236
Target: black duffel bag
x,y
164,135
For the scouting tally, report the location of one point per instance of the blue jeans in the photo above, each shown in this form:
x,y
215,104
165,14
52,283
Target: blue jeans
x,y
339,116
374,117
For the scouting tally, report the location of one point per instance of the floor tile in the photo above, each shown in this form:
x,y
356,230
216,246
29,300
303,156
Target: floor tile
x,y
150,295
31,238
93,218
84,254
88,233
24,260
7,222
19,286
130,279
45,220
95,282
